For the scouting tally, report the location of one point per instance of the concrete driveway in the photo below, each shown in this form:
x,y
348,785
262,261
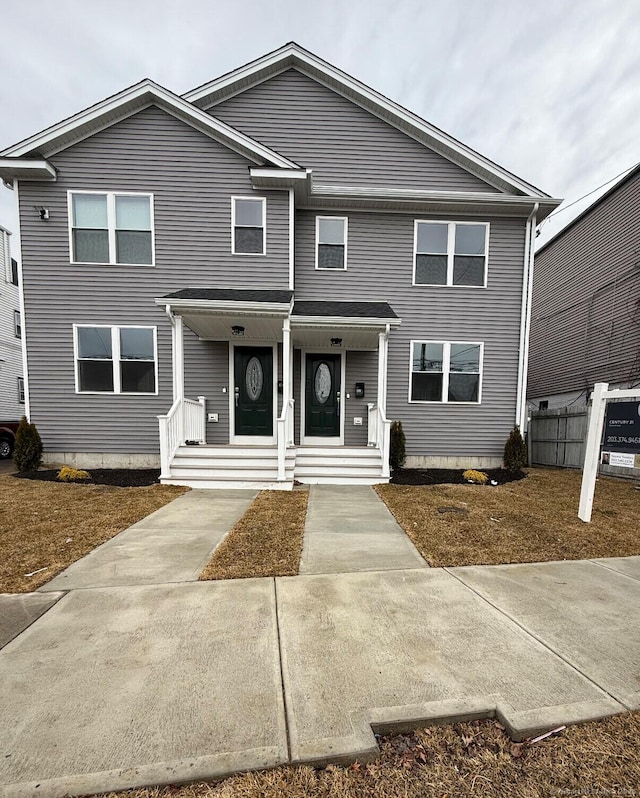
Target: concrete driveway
x,y
114,685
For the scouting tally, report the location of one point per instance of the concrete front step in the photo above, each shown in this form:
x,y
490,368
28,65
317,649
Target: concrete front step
x,y
205,483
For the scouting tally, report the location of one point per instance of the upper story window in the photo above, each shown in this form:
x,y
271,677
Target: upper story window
x,y
115,359
331,242
442,371
14,271
21,390
451,253
17,324
111,228
248,226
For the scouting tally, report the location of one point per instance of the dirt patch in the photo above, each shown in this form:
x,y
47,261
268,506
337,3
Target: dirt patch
x,y
266,541
119,477
531,520
451,476
466,759
49,525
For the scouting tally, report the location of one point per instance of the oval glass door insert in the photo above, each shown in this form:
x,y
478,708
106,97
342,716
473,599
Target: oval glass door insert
x,y
322,383
254,378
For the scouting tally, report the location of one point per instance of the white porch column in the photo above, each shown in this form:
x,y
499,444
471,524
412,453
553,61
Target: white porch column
x,y
178,371
382,371
286,362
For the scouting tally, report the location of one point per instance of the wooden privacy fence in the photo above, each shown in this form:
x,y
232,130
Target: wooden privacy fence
x,y
557,437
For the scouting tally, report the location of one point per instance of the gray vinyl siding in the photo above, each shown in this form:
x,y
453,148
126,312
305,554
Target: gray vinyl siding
x,y
192,178
207,374
380,267
361,367
584,326
343,144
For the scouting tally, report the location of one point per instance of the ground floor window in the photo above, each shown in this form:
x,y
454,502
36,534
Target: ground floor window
x,y
115,359
445,371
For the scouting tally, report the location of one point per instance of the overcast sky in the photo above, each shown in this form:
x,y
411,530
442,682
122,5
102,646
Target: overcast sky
x,y
550,90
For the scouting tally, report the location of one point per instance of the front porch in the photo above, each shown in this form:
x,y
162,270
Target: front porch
x,y
299,392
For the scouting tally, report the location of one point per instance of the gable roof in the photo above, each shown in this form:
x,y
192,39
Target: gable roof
x,y
133,99
291,55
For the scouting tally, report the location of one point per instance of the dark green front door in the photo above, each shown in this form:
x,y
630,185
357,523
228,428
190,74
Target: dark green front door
x,y
253,390
322,396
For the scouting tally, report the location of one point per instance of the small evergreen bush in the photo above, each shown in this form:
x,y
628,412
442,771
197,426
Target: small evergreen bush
x,y
69,474
27,454
397,446
477,477
515,451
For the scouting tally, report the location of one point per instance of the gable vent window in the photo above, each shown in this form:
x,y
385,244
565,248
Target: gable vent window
x,y
331,242
451,253
115,359
248,223
111,228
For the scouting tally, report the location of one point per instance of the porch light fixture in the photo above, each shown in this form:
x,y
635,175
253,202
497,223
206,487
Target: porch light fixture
x,y
336,342
236,329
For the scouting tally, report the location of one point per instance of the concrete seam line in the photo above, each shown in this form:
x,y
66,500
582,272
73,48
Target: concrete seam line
x,y
614,570
37,618
282,684
535,637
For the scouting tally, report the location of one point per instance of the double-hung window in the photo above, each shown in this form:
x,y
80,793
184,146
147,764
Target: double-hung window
x,y
21,390
248,223
451,253
443,371
331,242
111,228
115,359
17,324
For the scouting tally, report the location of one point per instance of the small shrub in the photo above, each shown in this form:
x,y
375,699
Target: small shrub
x,y
397,446
477,477
515,451
68,474
27,454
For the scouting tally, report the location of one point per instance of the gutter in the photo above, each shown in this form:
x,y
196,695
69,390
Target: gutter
x,y
525,320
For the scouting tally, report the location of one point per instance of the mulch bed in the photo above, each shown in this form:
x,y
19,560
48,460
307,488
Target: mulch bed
x,y
119,477
450,476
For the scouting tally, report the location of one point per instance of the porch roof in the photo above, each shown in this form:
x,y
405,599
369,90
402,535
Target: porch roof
x,y
244,295
344,310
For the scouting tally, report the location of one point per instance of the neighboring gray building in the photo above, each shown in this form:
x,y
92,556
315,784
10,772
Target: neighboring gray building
x,y
585,323
276,264
11,377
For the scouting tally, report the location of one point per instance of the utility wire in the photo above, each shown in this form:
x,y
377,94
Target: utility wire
x,y
588,194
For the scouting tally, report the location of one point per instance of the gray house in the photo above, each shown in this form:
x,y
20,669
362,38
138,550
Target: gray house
x,y
585,325
246,284
11,377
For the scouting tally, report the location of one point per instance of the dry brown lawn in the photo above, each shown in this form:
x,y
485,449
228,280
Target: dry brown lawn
x,y
266,541
535,519
467,759
51,525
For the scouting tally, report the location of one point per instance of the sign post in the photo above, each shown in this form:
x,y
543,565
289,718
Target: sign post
x,y
601,394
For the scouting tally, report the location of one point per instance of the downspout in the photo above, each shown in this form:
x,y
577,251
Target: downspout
x,y
386,366
292,211
525,319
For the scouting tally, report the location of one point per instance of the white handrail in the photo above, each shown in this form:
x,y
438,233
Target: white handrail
x,y
169,429
194,420
285,437
372,424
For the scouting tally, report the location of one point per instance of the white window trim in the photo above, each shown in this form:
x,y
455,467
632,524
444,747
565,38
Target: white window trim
x,y
446,364
344,219
21,391
17,324
115,358
111,226
263,200
451,243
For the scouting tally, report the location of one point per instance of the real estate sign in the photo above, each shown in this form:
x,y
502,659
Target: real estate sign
x,y
621,446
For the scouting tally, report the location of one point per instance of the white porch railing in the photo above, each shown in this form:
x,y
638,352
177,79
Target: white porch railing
x,y
285,437
379,434
185,421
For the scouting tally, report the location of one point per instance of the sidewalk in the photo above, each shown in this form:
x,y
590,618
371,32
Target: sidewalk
x,y
125,686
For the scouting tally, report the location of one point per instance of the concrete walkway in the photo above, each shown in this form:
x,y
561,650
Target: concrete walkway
x,y
173,544
120,686
349,528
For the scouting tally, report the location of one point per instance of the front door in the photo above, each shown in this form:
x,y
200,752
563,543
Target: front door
x,y
322,396
253,390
